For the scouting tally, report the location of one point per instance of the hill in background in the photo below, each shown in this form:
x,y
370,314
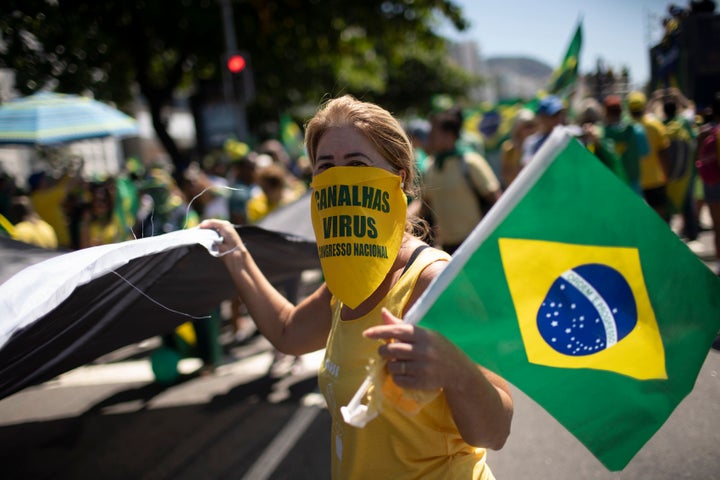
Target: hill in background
x,y
517,76
524,66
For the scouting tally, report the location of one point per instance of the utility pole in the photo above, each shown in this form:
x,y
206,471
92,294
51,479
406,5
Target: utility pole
x,y
236,109
230,43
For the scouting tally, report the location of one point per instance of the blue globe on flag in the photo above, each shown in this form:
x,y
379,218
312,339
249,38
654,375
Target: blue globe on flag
x,y
587,309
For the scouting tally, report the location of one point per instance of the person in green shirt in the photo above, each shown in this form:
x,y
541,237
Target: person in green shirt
x,y
592,135
629,138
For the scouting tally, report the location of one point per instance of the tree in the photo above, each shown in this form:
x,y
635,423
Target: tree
x,y
301,50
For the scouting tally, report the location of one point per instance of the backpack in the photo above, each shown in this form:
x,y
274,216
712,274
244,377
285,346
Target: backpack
x,y
708,163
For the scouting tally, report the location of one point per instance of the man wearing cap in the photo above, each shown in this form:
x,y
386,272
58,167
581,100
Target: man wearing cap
x,y
550,114
653,165
629,138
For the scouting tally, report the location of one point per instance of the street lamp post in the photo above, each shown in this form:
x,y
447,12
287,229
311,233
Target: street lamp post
x,y
236,107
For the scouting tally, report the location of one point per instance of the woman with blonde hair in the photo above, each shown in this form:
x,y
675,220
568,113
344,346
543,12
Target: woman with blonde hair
x,y
362,173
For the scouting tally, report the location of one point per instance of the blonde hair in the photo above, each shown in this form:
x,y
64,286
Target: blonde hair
x,y
377,124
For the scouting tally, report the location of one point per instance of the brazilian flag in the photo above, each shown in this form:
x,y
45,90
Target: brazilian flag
x,y
291,136
565,76
579,294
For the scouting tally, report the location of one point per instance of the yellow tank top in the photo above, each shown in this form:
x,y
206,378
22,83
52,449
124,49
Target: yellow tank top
x,y
394,445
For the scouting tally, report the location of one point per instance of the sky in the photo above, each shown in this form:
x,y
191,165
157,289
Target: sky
x,y
618,31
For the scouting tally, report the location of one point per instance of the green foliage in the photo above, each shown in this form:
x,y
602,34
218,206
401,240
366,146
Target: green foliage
x,y
108,47
301,51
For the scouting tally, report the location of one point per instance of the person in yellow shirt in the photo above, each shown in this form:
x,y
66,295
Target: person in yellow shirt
x,y
363,163
48,198
100,224
654,165
29,227
274,193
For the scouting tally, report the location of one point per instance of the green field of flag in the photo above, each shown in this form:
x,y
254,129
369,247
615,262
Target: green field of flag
x,y
581,296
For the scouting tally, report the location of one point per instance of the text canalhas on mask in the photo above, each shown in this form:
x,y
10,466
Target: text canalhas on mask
x,y
367,198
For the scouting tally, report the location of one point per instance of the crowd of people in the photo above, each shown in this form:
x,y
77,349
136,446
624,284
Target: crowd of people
x,y
64,209
652,143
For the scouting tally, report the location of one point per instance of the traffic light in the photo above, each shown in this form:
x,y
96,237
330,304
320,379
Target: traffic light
x,y
236,63
239,83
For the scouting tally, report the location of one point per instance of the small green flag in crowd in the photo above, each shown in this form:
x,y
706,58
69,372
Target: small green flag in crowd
x,y
566,74
291,136
579,294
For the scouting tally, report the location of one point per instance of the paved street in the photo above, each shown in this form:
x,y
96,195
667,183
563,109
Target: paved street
x,y
110,420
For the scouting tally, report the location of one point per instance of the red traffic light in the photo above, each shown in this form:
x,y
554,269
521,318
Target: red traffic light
x,y
236,63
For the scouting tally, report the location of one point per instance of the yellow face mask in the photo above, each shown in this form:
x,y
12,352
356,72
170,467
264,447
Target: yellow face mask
x,y
358,215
